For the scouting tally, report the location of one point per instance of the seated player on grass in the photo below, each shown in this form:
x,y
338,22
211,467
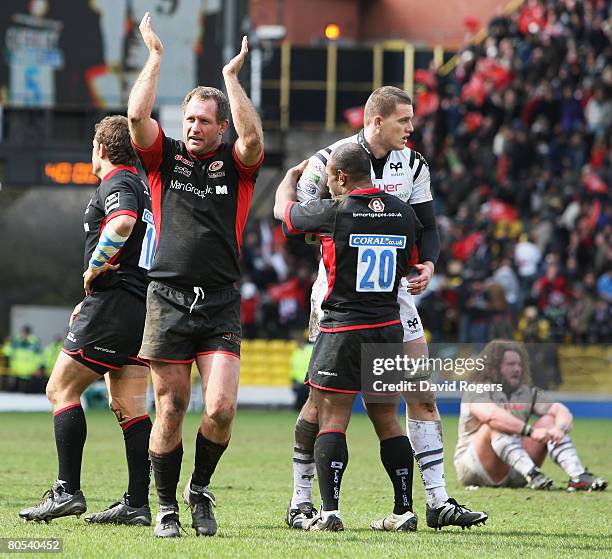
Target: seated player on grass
x,y
497,446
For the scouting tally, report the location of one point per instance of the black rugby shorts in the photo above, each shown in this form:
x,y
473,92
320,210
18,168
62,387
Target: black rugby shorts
x,y
335,364
107,332
181,325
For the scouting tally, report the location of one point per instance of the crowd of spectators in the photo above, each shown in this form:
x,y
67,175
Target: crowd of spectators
x,y
518,141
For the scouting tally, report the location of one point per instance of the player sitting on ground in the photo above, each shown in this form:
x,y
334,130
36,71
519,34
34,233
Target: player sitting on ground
x,y
497,446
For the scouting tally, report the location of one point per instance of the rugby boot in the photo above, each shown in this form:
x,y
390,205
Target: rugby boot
x,y
537,480
56,503
201,502
167,524
298,517
406,522
451,513
122,513
333,523
586,481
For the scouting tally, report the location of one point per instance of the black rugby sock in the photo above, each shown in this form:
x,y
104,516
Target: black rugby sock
x,y
136,437
331,458
70,434
397,458
167,471
207,457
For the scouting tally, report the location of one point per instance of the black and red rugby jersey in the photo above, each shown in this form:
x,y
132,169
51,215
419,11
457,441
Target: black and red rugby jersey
x,y
368,241
200,205
122,192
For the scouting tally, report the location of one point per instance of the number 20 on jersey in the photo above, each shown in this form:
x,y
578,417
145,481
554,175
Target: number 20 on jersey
x,y
376,260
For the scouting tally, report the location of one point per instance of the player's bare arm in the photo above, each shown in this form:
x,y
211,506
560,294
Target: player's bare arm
x,y
247,123
286,191
563,422
116,232
501,420
143,129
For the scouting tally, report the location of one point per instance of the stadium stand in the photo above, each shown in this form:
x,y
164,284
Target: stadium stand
x,y
518,140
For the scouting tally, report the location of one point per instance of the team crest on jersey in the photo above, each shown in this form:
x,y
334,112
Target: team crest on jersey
x,y
377,205
215,166
396,166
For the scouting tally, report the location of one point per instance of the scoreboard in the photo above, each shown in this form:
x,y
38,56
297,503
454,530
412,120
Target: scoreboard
x,y
27,168
67,173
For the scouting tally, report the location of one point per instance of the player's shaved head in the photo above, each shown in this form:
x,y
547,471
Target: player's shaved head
x,y
382,102
113,132
352,160
202,93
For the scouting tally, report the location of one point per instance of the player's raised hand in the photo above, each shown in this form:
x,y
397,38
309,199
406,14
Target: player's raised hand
x,y
235,64
149,36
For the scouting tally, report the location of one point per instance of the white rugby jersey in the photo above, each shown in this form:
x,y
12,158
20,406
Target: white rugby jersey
x,y
405,174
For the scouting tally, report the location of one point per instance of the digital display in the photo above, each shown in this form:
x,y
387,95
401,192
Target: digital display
x,y
68,173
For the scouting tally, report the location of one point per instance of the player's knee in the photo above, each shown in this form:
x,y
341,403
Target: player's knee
x,y
221,411
171,409
309,411
57,392
52,392
125,411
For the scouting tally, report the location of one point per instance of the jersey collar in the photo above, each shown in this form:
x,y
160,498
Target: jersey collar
x,y
361,140
119,168
364,191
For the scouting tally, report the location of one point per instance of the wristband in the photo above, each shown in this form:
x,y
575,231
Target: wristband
x,y
109,245
526,430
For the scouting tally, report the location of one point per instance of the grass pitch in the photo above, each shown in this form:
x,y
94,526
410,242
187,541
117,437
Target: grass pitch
x,y
253,486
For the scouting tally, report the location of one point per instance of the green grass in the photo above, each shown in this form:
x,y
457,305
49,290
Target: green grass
x,y
253,486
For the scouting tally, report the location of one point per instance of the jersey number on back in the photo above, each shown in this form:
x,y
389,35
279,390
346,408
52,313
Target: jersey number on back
x,y
376,261
149,242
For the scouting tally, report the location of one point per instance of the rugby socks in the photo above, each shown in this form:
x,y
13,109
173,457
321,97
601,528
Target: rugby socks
x,y
70,434
426,440
304,467
565,456
136,438
167,471
510,451
331,458
207,457
396,456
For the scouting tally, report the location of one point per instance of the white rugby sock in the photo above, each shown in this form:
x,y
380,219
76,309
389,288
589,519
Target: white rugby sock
x,y
565,456
511,452
426,440
304,467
